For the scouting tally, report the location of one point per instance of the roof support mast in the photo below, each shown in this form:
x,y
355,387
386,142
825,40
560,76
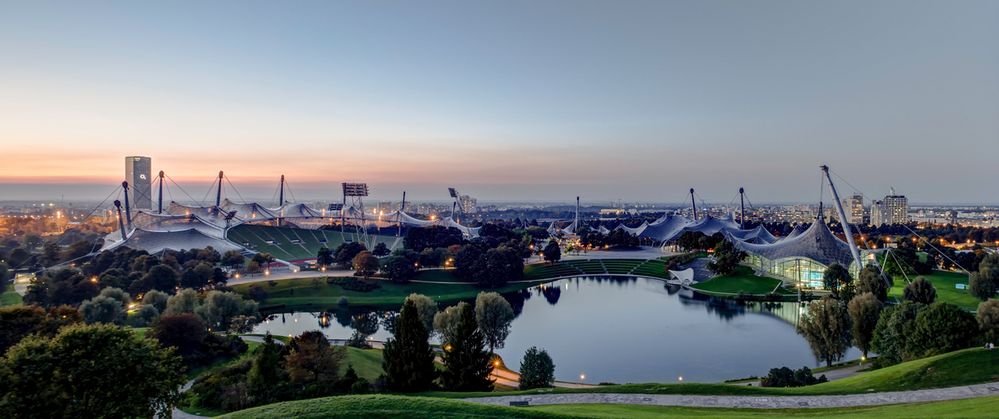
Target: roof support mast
x,y
575,222
842,218
121,223
693,204
398,216
281,192
742,206
218,193
128,208
160,209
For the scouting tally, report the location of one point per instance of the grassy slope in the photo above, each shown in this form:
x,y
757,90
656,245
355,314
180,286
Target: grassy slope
x,y
741,281
10,298
366,362
380,406
946,292
969,366
979,407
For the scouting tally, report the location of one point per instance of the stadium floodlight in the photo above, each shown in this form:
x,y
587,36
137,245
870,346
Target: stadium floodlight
x,y
335,207
355,189
453,192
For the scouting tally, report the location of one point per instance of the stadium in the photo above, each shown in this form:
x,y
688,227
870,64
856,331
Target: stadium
x,y
292,232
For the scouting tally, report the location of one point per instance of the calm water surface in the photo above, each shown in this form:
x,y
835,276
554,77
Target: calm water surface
x,y
625,330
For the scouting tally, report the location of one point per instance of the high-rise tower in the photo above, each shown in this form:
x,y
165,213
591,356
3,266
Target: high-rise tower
x,y
138,174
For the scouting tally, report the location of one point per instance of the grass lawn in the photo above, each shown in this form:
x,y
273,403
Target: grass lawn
x,y
304,293
367,363
944,282
10,298
980,407
382,406
436,275
968,366
744,281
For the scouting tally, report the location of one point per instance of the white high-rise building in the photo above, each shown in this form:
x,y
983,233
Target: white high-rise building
x,y
857,214
894,209
138,174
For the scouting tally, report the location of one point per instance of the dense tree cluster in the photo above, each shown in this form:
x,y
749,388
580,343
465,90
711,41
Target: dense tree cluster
x,y
726,258
786,377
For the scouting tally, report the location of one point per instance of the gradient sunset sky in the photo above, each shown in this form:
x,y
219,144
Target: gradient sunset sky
x,y
507,100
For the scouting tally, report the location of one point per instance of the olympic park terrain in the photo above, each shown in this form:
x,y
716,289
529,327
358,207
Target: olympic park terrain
x,y
293,234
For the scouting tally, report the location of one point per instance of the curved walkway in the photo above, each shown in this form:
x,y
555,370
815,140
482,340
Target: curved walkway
x,y
754,402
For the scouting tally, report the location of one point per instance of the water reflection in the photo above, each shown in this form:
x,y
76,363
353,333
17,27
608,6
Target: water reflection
x,y
617,330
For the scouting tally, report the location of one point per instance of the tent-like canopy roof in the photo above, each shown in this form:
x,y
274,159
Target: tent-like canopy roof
x,y
816,243
758,235
665,228
637,231
710,225
248,211
157,241
295,211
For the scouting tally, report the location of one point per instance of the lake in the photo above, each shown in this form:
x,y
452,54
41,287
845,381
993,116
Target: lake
x,y
625,330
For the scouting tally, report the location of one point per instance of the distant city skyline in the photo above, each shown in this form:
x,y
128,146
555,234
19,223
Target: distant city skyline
x,y
508,101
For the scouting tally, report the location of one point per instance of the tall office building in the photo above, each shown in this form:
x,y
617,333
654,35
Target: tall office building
x,y
138,174
894,209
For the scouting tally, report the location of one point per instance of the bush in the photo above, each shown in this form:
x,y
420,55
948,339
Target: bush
x,y
920,291
944,327
354,284
785,377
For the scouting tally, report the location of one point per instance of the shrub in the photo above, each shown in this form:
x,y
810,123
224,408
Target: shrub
x,y
785,377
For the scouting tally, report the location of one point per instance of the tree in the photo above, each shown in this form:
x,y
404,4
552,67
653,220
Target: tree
x,y
920,291
988,319
233,259
552,252
446,322
324,257
408,359
108,307
265,371
727,257
943,327
183,332
220,308
17,322
89,371
536,369
312,361
826,327
985,283
365,264
264,260
871,280
466,362
159,277
494,315
380,250
426,308
836,279
398,269
185,301
156,299
864,310
892,335
785,377
345,253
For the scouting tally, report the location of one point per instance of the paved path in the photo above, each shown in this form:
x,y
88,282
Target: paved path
x,y
754,402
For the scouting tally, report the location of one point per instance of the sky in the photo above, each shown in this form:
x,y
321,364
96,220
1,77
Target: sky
x,y
536,100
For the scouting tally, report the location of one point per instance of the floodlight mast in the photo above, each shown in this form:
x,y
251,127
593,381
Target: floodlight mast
x,y
842,218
